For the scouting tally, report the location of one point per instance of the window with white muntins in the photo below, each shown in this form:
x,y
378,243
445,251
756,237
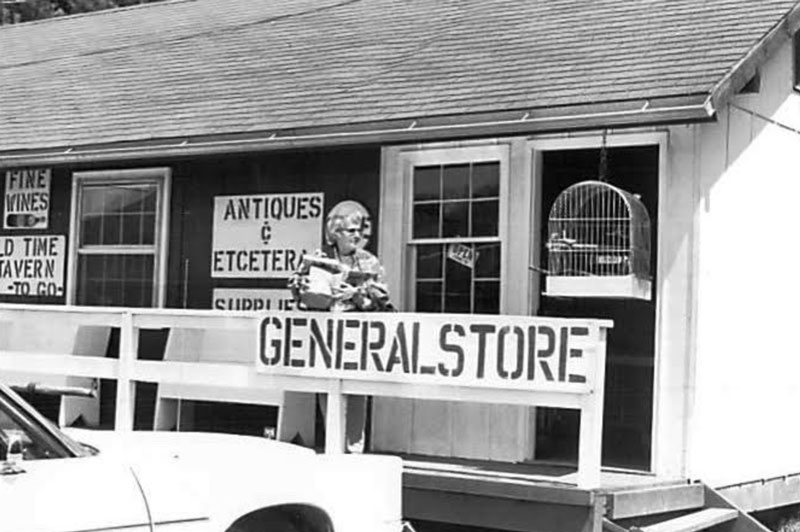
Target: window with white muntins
x,y
119,237
448,217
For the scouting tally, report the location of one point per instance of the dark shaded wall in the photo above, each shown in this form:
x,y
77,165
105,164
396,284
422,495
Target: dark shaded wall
x,y
337,173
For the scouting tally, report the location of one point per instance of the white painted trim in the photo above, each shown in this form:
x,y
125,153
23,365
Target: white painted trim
x,y
662,296
165,199
391,231
396,206
72,256
162,176
593,140
614,139
689,374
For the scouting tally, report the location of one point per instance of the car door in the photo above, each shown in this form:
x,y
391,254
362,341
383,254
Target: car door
x,y
53,488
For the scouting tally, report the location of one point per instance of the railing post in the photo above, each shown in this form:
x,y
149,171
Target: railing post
x,y
590,438
335,419
590,443
128,347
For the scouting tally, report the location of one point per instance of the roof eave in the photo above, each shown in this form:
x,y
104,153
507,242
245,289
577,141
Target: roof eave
x,y
639,113
747,67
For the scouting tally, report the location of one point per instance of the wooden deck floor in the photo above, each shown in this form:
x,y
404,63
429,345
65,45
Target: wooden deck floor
x,y
510,496
541,474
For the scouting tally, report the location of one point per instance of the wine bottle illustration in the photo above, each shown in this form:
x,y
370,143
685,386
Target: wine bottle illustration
x,y
23,220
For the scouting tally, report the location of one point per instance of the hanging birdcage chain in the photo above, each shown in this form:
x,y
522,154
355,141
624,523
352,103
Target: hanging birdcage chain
x,y
602,170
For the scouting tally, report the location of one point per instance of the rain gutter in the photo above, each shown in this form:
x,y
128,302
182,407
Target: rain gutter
x,y
687,109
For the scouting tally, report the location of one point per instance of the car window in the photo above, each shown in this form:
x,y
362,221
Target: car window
x,y
33,448
37,441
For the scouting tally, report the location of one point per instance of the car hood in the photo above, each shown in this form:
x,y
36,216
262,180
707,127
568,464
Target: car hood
x,y
188,476
190,446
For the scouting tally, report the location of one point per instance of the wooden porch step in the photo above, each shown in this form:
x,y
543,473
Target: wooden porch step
x,y
654,500
692,522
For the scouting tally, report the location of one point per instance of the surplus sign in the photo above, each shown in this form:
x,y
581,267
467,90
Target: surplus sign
x,y
264,236
511,352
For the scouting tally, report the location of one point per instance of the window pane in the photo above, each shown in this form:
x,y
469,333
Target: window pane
x,y
115,280
486,180
116,197
484,218
426,220
429,262
456,219
92,201
90,293
487,297
94,267
149,199
131,229
14,423
457,303
458,287
135,294
111,231
429,296
118,215
137,199
91,228
455,181
148,224
132,202
487,263
427,183
138,267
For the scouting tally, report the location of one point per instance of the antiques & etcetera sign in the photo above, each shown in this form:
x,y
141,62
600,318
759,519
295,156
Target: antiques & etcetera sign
x,y
264,235
26,202
32,265
510,352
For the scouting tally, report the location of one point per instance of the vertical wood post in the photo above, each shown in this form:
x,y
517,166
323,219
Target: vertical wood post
x,y
335,419
590,439
128,347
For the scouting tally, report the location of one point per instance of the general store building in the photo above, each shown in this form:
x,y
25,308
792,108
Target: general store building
x,y
182,155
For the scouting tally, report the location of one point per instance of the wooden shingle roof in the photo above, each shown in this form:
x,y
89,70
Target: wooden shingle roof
x,y
186,69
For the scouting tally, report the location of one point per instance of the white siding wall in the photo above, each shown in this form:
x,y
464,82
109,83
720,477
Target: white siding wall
x,y
745,416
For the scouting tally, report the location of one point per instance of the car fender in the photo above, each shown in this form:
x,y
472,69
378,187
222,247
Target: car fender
x,y
212,480
359,493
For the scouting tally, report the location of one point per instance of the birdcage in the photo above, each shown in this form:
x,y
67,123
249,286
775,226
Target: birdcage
x,y
598,244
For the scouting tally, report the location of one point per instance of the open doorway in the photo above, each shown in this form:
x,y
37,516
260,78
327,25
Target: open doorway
x,y
627,422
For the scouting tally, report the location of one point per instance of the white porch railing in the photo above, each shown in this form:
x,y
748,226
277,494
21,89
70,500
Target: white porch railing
x,y
51,340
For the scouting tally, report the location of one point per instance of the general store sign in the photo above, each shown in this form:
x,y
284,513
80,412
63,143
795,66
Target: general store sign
x,y
26,202
265,235
510,352
32,265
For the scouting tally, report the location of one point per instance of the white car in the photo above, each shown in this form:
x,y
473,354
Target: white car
x,y
167,481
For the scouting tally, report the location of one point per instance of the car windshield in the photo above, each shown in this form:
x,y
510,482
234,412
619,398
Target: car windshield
x,y
40,438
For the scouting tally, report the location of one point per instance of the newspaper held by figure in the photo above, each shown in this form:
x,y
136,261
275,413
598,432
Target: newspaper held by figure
x,y
323,283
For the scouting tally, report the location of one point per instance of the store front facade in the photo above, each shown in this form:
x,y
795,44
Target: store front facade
x,y
225,233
